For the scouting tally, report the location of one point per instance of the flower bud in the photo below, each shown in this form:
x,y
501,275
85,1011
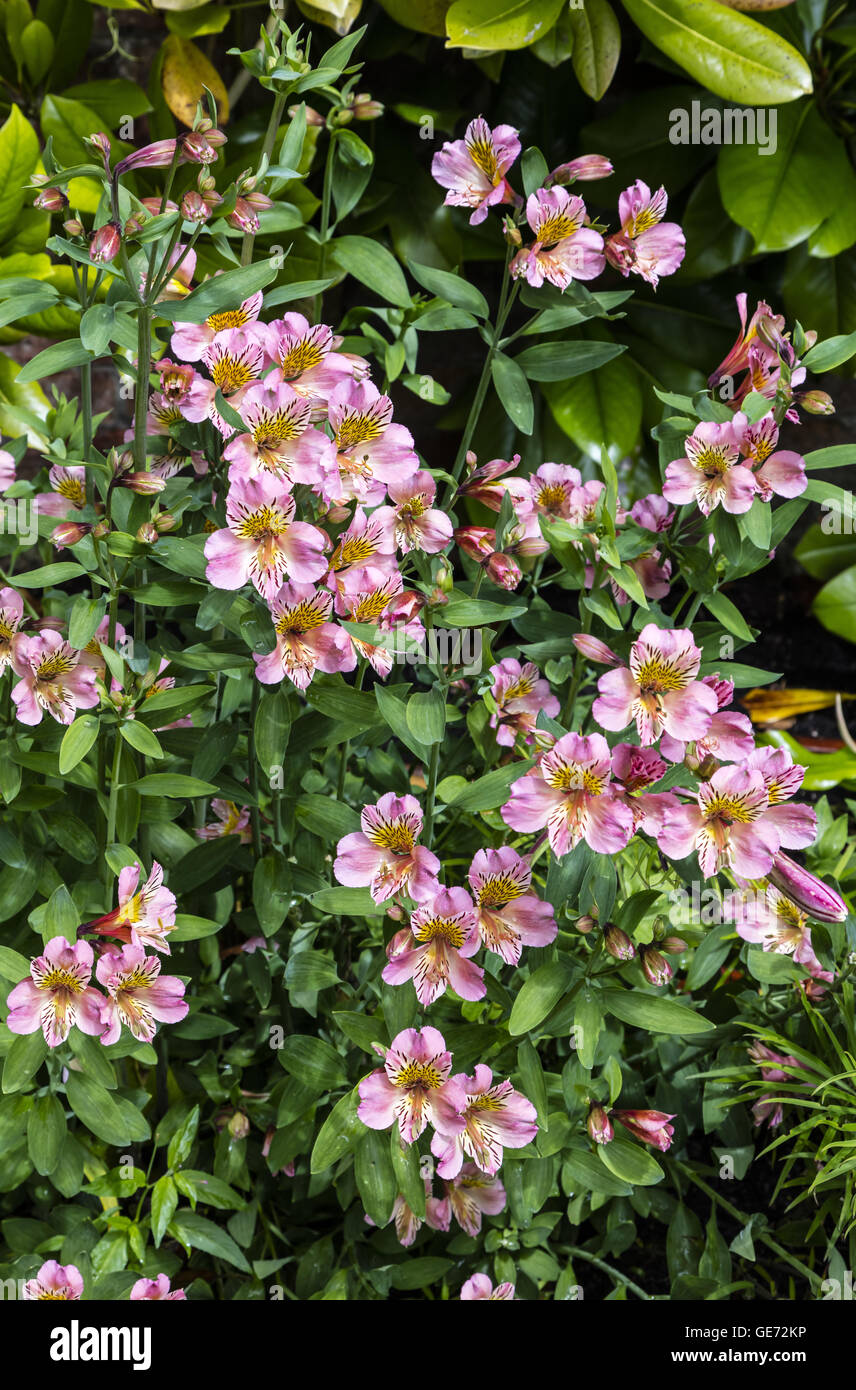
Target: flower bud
x,y
365,108
585,925
651,1126
147,534
816,402
618,943
599,1125
673,945
134,224
104,244
69,533
395,912
583,169
194,207
655,967
101,143
143,484
239,1125
313,117
504,571
164,521
594,650
101,529
50,200
512,234
73,227
810,893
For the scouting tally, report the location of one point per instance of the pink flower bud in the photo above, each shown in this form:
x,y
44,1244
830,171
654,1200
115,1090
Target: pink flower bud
x,y
594,650
104,244
805,889
143,484
239,1125
69,533
583,169
673,945
194,207
655,967
147,534
599,1125
50,200
651,1126
618,943
504,571
585,925
73,227
816,402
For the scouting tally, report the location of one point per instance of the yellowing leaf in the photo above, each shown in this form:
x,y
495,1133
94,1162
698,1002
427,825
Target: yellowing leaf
x,y
185,72
769,706
338,15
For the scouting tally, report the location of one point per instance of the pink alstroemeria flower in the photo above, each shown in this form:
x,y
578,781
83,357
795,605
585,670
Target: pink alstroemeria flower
x,y
305,358
636,769
646,245
7,470
144,916
139,996
651,1126
509,915
729,736
471,1195
413,522
384,855
280,439
480,1288
53,679
366,540
652,513
547,492
189,340
152,1290
569,793
230,821
68,491
657,689
796,826
365,596
776,471
58,996
413,1089
371,451
306,640
55,1283
519,693
12,642
434,951
565,249
495,1117
776,924
726,825
711,473
234,361
262,542
473,169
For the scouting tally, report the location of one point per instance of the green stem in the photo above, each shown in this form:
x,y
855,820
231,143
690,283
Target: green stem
x,y
112,807
433,768
255,818
743,1218
324,225
576,1252
506,300
267,150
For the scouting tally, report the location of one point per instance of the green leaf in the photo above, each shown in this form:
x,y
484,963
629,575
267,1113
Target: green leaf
x,y
56,358
19,151
94,1106
199,1233
591,1176
13,966
513,391
46,1131
374,266
453,288
180,1145
496,25
310,970
375,1176
164,1202
226,291
732,55
77,741
23,1060
596,45
731,618
539,995
86,614
781,197
313,1061
832,353
49,575
426,716
340,1132
484,794
347,902
271,891
835,605
560,361
173,784
630,1162
653,1014
836,456
326,817
141,738
533,1080
602,408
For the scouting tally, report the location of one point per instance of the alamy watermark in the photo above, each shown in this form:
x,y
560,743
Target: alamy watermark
x,y
735,125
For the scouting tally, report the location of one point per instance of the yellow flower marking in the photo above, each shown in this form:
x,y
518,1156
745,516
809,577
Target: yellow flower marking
x,y
418,1074
227,318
